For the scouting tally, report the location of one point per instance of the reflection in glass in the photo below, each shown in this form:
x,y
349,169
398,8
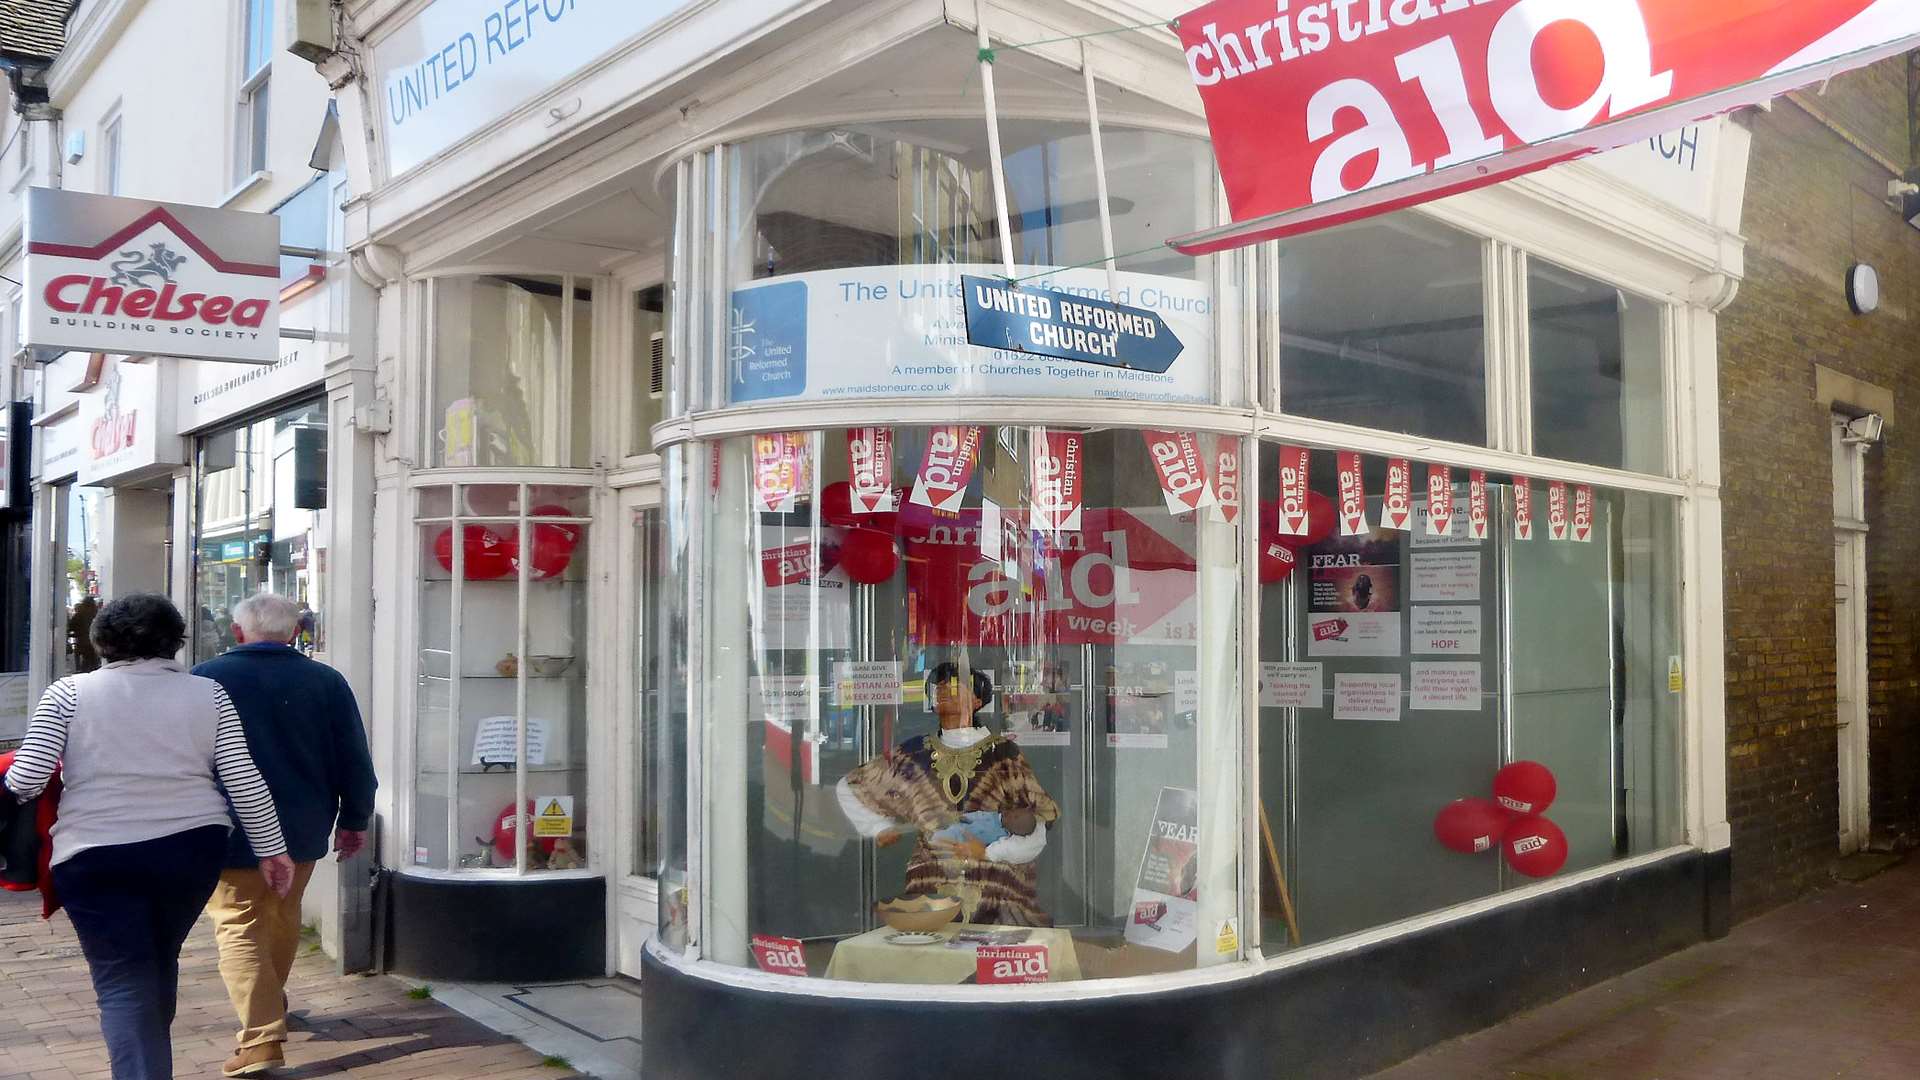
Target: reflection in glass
x,y
1599,389
511,371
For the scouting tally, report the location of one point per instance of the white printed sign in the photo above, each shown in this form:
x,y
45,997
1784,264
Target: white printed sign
x,y
1459,529
1290,686
496,742
780,699
1186,691
1366,697
1454,628
1445,687
868,682
1446,575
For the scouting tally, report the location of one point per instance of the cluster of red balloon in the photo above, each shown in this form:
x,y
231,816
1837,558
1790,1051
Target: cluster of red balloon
x,y
1513,818
1280,552
490,551
867,547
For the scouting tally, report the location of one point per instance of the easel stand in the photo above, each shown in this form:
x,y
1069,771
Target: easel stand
x,y
1279,875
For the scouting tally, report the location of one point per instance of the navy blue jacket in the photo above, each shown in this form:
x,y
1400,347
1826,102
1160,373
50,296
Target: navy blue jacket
x,y
303,729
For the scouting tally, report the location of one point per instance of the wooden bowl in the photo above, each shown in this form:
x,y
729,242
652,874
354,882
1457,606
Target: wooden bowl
x,y
918,914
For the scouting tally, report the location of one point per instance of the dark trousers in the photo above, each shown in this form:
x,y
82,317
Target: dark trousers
x,y
132,906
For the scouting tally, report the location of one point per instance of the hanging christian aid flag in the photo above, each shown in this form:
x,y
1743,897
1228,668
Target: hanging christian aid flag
x,y
1332,111
1056,481
1353,493
1182,469
782,469
1439,500
870,469
947,467
132,276
1226,476
1396,507
1477,504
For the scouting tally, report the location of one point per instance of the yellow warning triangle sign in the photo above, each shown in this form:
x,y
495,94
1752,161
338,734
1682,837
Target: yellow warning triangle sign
x,y
553,809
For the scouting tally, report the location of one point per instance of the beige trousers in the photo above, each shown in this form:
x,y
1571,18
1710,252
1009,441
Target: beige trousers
x,y
259,935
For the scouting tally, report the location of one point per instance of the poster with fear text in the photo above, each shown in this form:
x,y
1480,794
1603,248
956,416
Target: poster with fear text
x,y
1166,894
1353,599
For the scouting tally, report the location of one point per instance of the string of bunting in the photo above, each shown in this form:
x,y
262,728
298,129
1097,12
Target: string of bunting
x,y
989,55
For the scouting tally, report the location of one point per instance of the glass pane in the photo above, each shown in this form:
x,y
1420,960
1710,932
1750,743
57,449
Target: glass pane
x,y
1383,325
1599,384
1025,706
649,367
259,35
669,628
555,671
259,123
506,389
433,502
434,761
649,768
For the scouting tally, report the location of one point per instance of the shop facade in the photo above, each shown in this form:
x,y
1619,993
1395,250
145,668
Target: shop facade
x,y
696,500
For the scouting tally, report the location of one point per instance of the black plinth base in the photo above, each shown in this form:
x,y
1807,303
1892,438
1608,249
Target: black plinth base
x,y
527,930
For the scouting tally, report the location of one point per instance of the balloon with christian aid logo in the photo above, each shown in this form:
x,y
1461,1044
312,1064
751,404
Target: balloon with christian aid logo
x,y
1470,826
1534,846
1003,964
1525,787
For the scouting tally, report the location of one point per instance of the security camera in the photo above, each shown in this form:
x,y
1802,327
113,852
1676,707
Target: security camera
x,y
1865,430
1904,196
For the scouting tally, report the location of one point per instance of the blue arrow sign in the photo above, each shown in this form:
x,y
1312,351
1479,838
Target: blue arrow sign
x,y
1043,322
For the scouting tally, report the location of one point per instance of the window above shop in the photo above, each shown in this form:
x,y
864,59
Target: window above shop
x,y
511,371
1598,372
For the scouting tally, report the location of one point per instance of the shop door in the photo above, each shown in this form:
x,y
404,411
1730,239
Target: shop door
x,y
644,733
1850,634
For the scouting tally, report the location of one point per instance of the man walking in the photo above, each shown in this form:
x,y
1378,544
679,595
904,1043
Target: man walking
x,y
304,731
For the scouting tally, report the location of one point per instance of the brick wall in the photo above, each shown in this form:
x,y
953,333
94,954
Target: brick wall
x,y
1814,207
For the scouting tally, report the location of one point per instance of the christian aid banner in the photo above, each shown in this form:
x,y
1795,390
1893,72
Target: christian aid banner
x,y
870,469
132,276
1294,466
779,955
1477,504
947,467
1056,480
997,964
1522,508
1331,111
1182,469
1226,476
1124,577
1353,494
1439,500
1396,509
782,469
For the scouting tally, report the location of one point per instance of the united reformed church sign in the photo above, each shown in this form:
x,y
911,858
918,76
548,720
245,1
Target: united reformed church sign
x,y
131,276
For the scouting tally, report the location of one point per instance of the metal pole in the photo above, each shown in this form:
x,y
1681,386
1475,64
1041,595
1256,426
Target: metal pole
x,y
993,148
1100,177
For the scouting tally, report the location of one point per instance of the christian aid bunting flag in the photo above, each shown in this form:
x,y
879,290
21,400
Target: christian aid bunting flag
x,y
1056,479
1226,476
782,469
870,469
1522,508
1556,510
1439,500
1477,504
947,467
1293,488
1182,468
1353,494
1396,507
1583,513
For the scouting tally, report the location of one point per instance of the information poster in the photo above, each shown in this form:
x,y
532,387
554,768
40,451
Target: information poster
x,y
1366,696
1036,699
796,575
1291,686
1458,533
1353,604
1445,576
1445,687
1452,628
497,742
780,699
1166,894
867,682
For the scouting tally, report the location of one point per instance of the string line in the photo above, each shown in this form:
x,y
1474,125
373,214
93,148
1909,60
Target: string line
x,y
987,56
1085,265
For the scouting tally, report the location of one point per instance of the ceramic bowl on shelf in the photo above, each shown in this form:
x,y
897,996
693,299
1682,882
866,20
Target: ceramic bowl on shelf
x,y
918,913
547,666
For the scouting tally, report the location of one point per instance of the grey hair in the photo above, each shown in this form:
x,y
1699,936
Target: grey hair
x,y
267,616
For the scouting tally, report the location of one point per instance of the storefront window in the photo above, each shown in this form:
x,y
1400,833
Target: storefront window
x,y
1402,669
502,639
260,523
512,361
1599,383
987,677
1383,325
668,688
846,251
649,366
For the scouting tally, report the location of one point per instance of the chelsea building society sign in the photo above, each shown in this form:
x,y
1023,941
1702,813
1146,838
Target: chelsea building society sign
x,y
115,275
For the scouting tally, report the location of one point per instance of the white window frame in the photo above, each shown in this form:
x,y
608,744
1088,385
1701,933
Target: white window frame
x,y
112,152
255,91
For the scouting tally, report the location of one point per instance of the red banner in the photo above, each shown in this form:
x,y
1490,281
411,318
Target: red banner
x,y
1396,506
1226,476
1477,504
779,955
1056,477
870,469
1295,463
782,469
1583,513
1182,469
1522,508
1557,510
1329,112
1010,964
947,467
1353,494
1439,500
789,564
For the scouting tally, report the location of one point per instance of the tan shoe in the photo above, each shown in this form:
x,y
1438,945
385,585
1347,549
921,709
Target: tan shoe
x,y
254,1060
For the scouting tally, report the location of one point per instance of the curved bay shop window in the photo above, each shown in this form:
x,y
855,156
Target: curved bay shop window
x,y
260,522
994,709
1408,655
846,251
511,371
501,637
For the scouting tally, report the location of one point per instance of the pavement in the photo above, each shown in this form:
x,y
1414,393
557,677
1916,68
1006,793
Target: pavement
x,y
351,1026
1828,986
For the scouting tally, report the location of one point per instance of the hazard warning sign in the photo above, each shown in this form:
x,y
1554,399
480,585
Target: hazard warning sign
x,y
554,818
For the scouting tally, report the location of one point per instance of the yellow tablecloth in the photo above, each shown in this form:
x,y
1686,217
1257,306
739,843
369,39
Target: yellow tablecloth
x,y
870,957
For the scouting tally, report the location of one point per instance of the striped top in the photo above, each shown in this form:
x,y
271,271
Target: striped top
x,y
147,751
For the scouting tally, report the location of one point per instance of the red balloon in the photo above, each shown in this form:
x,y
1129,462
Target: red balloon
x,y
1320,521
1534,846
485,554
1524,787
506,831
1470,826
571,529
869,556
552,550
836,509
1277,560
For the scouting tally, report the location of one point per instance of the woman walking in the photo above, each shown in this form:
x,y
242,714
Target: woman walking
x,y
147,751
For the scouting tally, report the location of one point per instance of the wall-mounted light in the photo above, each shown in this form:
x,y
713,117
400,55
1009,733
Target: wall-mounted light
x,y
1863,289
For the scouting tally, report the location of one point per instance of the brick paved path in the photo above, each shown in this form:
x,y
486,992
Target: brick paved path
x,y
343,1026
1825,987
